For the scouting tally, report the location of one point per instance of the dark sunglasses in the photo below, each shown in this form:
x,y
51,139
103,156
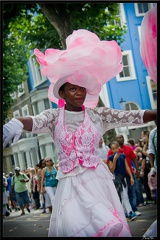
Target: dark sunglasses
x,y
48,160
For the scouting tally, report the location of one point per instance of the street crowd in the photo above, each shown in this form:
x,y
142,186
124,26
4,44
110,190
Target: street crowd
x,y
22,189
33,194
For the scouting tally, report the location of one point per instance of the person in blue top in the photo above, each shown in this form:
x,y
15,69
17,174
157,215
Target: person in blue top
x,y
118,165
6,213
11,196
49,181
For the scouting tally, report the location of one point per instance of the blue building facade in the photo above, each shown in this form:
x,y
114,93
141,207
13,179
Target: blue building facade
x,y
134,85
133,88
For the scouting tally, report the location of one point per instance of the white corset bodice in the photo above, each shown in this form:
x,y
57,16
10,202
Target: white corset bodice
x,y
78,148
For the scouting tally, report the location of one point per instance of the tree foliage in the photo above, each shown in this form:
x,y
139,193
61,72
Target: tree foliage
x,y
46,25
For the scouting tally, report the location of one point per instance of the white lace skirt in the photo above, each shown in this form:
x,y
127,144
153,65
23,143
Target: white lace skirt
x,y
87,205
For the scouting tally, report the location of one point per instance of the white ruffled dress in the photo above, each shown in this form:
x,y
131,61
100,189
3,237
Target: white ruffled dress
x,y
86,201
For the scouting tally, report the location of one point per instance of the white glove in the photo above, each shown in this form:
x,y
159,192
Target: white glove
x,y
12,129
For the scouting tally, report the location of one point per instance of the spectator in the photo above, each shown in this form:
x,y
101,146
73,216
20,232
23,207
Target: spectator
x,y
103,150
12,197
130,155
145,164
138,180
152,148
118,165
139,190
152,154
49,181
44,198
19,189
6,213
34,188
29,186
131,141
152,182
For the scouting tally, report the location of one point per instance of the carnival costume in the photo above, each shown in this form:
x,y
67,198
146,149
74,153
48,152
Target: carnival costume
x,y
86,201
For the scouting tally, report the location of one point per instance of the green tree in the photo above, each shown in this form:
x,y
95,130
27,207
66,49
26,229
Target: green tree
x,y
46,25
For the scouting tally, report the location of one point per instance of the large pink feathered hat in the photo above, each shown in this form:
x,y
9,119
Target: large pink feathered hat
x,y
87,62
148,44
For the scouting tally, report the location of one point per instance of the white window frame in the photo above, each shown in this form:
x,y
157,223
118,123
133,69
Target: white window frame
x,y
25,113
153,103
122,15
16,114
150,5
38,78
131,66
24,110
35,108
129,103
104,96
37,101
19,87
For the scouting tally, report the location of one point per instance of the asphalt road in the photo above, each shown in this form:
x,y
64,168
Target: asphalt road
x,y
36,224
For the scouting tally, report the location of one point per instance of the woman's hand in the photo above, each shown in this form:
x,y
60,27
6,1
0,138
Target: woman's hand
x,y
116,155
131,181
23,180
43,191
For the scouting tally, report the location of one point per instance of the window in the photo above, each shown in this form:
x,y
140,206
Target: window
x,y
20,89
128,72
120,18
152,90
46,104
35,108
24,161
25,111
38,78
142,8
131,106
122,15
40,106
12,160
16,114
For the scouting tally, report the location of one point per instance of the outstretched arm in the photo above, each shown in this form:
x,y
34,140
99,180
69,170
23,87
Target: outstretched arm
x,y
27,123
150,115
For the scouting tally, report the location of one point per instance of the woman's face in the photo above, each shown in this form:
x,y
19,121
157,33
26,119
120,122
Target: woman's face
x,y
74,96
114,148
48,162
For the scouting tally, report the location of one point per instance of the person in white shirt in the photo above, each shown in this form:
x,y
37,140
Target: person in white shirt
x,y
152,148
103,150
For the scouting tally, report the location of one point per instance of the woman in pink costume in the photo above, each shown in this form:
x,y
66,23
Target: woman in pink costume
x,y
86,201
148,50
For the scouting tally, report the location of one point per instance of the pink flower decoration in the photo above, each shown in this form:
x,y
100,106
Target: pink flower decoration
x,y
148,44
87,62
